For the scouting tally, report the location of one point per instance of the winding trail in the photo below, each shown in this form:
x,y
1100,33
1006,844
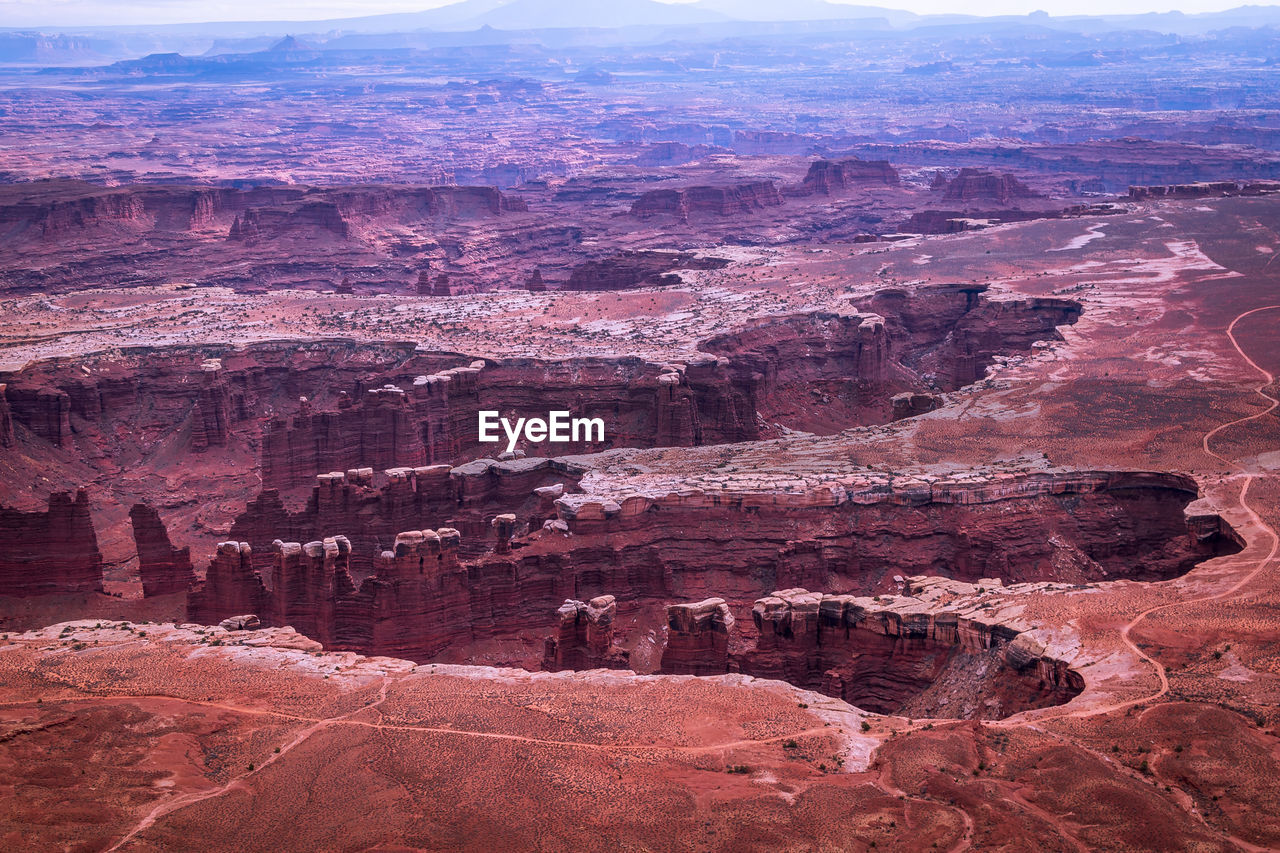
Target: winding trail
x,y
169,806
346,719
1243,499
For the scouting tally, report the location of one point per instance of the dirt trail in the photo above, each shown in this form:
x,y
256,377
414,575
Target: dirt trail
x,y
170,806
1257,520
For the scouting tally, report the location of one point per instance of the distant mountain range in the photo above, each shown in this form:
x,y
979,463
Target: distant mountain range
x,y
492,20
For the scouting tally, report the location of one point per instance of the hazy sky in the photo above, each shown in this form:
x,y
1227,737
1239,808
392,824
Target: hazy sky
x,y
23,13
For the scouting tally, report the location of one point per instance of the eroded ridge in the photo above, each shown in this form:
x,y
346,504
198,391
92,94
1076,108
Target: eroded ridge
x,y
310,408
425,597
941,648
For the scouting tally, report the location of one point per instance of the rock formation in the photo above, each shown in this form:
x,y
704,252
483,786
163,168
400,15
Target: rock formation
x,y
307,583
630,269
983,185
882,653
467,497
212,417
698,638
6,420
45,411
698,202
911,403
230,586
163,568
827,176
428,593
245,622
50,553
504,527
1205,189
424,286
443,285
585,637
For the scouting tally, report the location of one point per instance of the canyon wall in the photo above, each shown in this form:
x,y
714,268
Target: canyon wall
x,y
629,269
698,638
887,654
63,208
584,638
6,420
982,185
54,552
467,498
339,405
424,595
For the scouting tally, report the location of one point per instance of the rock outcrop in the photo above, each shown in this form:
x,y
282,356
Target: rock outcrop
x,y
1205,189
245,622
43,410
698,638
691,203
54,552
585,637
429,593
6,420
911,403
309,219
230,586
982,185
947,638
308,581
468,498
163,568
629,269
381,431
211,421
829,176
855,534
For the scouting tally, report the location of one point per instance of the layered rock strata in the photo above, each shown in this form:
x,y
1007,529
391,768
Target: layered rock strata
x,y
426,595
827,176
699,202
211,421
163,569
6,420
630,269
698,638
585,637
230,586
376,508
54,552
338,405
982,185
882,654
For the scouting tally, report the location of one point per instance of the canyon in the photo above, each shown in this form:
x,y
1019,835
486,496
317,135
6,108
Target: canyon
x,y
934,504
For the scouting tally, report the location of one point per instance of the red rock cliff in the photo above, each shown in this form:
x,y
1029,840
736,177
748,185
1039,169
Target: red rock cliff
x,y
164,569
50,553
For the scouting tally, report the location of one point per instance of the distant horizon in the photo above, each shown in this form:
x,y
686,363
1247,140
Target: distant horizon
x,y
52,14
